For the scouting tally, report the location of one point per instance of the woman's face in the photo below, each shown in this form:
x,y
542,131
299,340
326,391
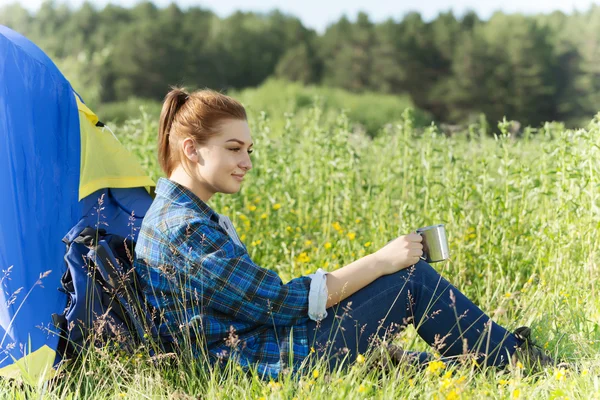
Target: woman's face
x,y
225,159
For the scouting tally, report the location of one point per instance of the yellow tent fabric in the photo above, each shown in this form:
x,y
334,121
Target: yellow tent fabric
x,y
104,161
33,368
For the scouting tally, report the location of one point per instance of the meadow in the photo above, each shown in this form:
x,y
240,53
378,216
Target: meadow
x,y
522,218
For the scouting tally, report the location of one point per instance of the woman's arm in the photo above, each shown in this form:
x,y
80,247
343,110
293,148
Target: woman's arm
x,y
347,280
398,254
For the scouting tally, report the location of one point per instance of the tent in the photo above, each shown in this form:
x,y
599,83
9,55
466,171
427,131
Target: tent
x,y
56,163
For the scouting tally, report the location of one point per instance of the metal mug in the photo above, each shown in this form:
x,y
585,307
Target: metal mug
x,y
435,244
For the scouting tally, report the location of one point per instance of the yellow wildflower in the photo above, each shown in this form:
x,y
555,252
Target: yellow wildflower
x,y
367,244
360,359
337,227
257,200
256,243
276,206
263,216
316,373
411,382
308,243
243,217
516,393
312,349
452,395
251,207
358,220
243,237
519,365
584,372
507,294
327,245
559,374
288,228
326,264
303,257
274,385
435,366
445,383
351,235
503,382
361,388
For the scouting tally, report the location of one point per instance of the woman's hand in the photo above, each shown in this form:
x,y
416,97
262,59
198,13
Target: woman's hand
x,y
399,253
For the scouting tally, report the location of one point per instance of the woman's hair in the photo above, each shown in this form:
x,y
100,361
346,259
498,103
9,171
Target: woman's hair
x,y
195,115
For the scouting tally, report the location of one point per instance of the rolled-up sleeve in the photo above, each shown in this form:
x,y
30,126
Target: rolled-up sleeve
x,y
317,296
226,279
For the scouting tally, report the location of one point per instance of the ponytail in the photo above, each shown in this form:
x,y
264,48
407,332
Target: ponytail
x,y
174,100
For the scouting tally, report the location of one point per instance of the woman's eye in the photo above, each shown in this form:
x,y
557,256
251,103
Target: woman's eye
x,y
239,148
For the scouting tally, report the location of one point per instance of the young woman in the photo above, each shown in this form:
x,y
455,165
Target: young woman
x,y
198,275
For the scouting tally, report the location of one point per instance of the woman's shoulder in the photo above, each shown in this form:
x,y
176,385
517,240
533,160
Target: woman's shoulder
x,y
169,219
163,226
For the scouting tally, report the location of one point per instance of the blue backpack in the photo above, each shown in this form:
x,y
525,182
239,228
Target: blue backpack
x,y
104,301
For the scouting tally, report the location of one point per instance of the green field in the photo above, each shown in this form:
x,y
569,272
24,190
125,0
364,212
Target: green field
x,y
522,218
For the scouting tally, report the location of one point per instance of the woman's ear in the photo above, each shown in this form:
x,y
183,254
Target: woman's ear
x,y
189,150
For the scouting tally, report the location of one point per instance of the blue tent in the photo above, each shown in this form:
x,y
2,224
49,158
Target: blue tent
x,y
56,162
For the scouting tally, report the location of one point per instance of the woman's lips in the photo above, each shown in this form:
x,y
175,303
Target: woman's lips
x,y
238,177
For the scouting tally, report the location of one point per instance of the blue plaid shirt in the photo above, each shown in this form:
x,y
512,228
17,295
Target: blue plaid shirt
x,y
205,287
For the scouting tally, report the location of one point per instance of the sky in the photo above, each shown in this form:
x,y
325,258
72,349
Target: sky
x,y
317,14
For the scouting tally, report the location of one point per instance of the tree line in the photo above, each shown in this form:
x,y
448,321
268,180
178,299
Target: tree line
x,y
527,68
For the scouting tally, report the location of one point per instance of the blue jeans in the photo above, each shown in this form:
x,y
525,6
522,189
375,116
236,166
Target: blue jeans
x,y
445,318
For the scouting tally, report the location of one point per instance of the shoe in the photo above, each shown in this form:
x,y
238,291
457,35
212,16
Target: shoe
x,y
528,353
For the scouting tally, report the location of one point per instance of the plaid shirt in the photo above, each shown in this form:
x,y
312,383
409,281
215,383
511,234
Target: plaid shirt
x,y
204,284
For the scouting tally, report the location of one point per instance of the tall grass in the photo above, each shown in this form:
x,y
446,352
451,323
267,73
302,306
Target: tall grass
x,y
522,218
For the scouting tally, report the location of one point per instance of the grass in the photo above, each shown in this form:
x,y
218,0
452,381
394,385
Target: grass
x,y
522,218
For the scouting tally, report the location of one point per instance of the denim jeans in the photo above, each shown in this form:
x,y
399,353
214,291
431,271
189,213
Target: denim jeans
x,y
445,318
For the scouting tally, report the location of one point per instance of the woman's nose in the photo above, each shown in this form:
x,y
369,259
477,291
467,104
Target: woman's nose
x,y
246,164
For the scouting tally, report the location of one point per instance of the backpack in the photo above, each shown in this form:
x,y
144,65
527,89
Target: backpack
x,y
104,301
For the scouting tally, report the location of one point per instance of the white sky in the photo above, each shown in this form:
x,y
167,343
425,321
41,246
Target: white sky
x,y
317,14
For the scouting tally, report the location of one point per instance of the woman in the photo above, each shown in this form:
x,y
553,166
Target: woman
x,y
197,273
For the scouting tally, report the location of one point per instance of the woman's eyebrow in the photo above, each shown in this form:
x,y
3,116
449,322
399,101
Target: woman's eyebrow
x,y
239,141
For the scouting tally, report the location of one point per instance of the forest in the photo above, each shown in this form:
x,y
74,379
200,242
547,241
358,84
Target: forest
x,y
527,68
